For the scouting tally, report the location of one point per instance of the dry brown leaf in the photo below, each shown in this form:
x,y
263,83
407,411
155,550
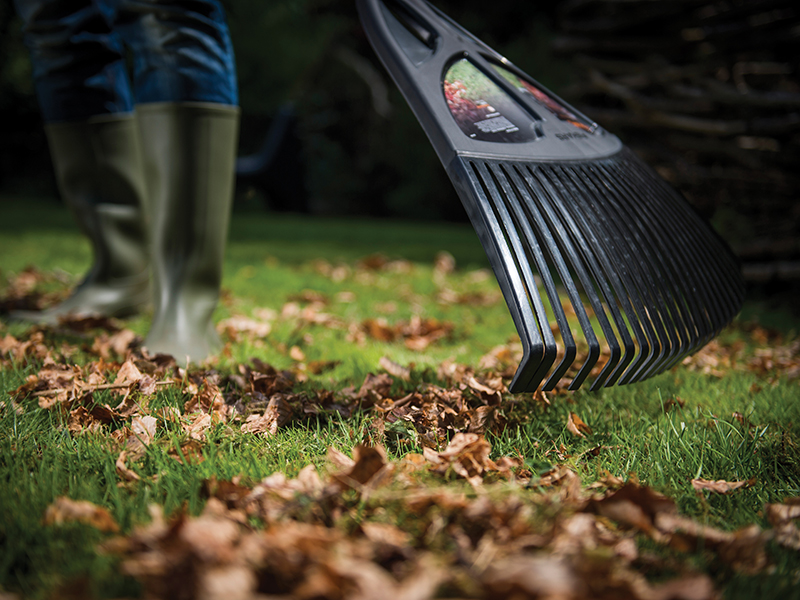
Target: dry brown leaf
x,y
467,454
277,414
367,470
636,506
148,385
386,534
781,517
122,469
375,387
144,428
191,451
744,550
576,426
231,493
720,486
394,368
208,399
197,426
533,577
295,353
81,420
237,325
119,344
65,510
128,374
565,481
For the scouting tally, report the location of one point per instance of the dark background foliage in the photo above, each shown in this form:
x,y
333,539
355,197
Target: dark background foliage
x,y
707,91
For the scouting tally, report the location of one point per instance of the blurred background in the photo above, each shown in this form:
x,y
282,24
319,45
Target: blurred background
x,y
707,92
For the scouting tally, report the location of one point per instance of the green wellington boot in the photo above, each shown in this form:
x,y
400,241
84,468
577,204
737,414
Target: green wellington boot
x,y
189,154
100,175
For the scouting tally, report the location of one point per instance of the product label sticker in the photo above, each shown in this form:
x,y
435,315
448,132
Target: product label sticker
x,y
482,109
546,100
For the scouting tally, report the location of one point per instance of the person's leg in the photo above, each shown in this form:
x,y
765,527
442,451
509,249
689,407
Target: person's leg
x,y
87,106
186,95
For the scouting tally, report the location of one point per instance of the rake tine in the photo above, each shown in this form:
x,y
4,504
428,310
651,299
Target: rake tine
x,y
717,294
652,293
523,219
657,204
643,286
721,279
538,178
570,347
542,267
652,265
549,350
654,240
534,196
682,253
536,351
615,248
566,227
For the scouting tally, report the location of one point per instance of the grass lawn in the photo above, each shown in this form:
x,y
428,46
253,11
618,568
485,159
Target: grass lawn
x,y
311,459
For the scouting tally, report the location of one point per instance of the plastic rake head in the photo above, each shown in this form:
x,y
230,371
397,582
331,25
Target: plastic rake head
x,y
608,273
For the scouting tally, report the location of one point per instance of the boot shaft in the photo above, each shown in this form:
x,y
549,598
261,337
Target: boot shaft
x,y
100,174
190,153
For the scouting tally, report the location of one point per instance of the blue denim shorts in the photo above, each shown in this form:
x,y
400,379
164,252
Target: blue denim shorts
x,y
179,51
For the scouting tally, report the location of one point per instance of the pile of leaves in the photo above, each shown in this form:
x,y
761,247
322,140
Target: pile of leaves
x,y
371,527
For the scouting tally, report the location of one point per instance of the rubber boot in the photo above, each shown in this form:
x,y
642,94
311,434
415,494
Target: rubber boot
x,y
189,153
99,171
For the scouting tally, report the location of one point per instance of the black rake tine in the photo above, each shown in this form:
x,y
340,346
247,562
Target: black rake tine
x,y
715,298
564,274
659,204
549,349
566,237
546,278
534,347
720,289
570,347
555,190
674,252
681,313
544,198
683,255
655,305
653,270
629,292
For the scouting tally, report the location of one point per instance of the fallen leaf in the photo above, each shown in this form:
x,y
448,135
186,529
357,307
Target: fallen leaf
x,y
782,517
720,486
367,469
636,506
277,414
122,469
80,420
467,454
576,426
394,368
144,428
65,510
236,326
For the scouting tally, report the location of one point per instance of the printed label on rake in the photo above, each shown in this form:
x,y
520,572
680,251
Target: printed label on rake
x,y
482,110
546,100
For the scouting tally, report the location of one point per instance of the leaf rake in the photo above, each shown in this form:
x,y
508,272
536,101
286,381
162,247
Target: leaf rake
x,y
605,268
